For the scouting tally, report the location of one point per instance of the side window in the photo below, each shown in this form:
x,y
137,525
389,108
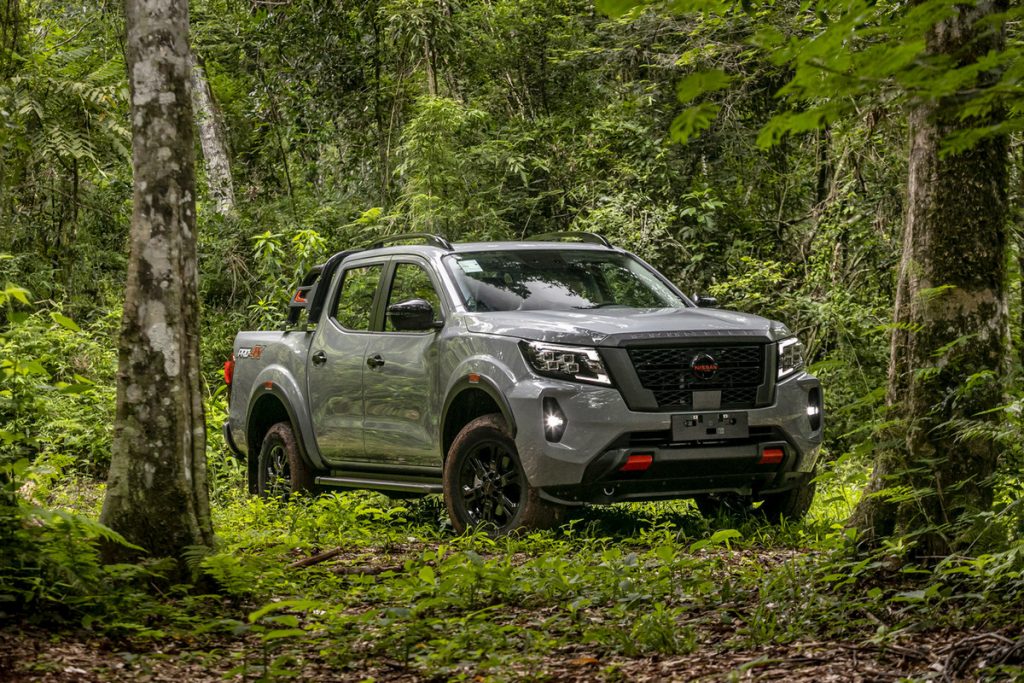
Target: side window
x,y
354,304
411,282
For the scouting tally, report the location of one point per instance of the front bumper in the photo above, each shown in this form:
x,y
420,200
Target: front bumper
x,y
602,432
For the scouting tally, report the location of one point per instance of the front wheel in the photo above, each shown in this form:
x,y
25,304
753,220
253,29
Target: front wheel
x,y
281,469
791,505
485,485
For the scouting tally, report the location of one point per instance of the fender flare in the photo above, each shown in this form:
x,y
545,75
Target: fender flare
x,y
486,385
281,395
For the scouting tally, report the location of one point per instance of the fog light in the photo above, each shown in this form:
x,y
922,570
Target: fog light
x,y
814,408
554,420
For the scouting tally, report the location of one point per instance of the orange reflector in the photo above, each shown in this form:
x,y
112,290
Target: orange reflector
x,y
299,299
229,370
637,463
771,456
268,385
474,378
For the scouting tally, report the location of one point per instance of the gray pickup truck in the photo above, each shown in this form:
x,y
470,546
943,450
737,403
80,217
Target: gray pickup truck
x,y
521,378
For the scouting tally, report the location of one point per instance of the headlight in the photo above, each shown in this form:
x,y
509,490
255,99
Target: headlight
x,y
791,357
575,363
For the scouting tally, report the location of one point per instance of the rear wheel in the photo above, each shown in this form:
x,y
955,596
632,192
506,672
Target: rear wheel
x,y
485,485
281,470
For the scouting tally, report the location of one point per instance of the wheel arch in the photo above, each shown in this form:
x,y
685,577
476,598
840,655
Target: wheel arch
x,y
468,400
267,409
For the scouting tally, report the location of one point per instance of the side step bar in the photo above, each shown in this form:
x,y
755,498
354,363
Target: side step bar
x,y
380,484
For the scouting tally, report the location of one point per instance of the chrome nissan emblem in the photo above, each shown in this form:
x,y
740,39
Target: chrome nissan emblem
x,y
703,366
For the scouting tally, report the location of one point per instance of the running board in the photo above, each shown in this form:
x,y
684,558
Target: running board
x,y
380,484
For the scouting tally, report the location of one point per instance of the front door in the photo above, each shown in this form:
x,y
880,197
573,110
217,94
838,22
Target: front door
x,y
336,364
400,383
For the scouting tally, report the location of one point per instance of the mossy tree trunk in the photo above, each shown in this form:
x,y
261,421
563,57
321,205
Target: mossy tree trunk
x,y
157,492
950,341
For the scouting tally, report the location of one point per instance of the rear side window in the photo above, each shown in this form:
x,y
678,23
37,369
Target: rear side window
x,y
354,304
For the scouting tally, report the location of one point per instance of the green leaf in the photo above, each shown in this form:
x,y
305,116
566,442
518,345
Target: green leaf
x,y
700,83
277,634
692,121
74,389
617,8
65,322
15,292
426,575
723,535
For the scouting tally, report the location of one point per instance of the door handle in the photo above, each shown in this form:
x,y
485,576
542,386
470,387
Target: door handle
x,y
319,358
375,361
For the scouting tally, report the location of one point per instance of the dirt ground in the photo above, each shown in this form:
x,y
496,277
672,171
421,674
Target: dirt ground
x,y
36,655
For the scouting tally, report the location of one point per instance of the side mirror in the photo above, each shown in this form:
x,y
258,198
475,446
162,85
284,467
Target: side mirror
x,y
414,315
705,301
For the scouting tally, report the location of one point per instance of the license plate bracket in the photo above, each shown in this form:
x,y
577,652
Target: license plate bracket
x,y
709,426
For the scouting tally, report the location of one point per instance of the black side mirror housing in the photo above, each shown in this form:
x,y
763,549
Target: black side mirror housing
x,y
705,301
414,315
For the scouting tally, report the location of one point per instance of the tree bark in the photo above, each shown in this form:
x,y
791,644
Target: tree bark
x,y
213,139
157,494
950,340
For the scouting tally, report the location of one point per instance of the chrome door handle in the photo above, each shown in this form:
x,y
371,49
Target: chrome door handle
x,y
375,361
319,358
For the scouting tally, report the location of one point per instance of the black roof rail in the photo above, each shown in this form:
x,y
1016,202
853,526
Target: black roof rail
x,y
432,240
588,237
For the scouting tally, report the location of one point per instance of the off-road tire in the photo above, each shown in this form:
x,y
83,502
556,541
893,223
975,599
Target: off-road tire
x,y
279,455
483,460
791,505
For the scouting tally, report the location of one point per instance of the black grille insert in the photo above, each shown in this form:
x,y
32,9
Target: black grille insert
x,y
674,373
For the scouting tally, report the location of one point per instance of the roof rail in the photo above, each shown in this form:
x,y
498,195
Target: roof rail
x,y
588,237
432,240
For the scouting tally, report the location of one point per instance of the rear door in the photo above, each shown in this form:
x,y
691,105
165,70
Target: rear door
x,y
400,384
337,361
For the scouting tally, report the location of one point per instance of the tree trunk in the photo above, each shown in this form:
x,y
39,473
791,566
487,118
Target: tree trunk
x,y
213,139
950,341
157,494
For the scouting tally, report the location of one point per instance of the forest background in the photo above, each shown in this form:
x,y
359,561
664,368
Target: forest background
x,y
486,119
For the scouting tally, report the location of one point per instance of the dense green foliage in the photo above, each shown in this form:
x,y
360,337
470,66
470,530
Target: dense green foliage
x,y
478,119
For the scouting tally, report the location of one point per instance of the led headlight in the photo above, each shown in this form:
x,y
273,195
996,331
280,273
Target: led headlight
x,y
575,363
791,357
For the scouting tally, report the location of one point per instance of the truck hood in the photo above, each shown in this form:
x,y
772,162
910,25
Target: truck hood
x,y
614,326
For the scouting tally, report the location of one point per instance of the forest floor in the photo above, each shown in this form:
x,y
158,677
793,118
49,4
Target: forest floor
x,y
354,587
43,656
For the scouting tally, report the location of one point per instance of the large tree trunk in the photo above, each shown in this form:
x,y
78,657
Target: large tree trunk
x,y
950,341
213,139
157,492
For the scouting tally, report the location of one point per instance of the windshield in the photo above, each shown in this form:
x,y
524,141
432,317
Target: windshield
x,y
546,279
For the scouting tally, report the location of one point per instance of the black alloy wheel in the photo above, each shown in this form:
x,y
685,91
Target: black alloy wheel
x,y
485,485
491,484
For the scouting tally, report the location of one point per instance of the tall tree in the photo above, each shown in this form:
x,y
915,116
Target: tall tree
x,y
947,64
213,139
157,494
950,338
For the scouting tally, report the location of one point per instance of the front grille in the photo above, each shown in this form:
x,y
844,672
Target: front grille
x,y
667,372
